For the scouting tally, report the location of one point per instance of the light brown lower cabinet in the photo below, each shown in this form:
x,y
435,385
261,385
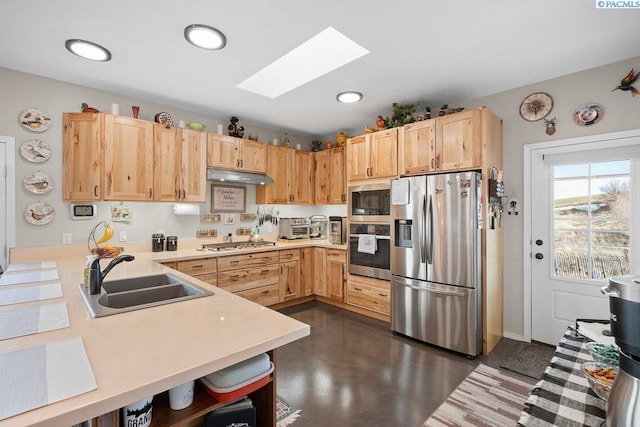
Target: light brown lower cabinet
x,y
290,282
204,269
336,273
306,272
252,276
371,294
320,272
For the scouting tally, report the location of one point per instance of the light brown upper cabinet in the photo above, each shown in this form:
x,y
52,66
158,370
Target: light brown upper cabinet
x,y
82,171
227,152
292,173
445,143
373,155
330,185
128,158
179,164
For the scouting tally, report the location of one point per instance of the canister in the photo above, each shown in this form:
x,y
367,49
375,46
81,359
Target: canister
x,y
172,243
157,242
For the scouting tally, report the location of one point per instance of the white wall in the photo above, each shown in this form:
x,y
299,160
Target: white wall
x,y
20,91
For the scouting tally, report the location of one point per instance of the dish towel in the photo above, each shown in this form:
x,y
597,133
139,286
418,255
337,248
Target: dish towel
x,y
41,375
32,320
593,331
367,243
30,293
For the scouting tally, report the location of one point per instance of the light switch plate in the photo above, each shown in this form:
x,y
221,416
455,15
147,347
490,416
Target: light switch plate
x,y
123,235
67,238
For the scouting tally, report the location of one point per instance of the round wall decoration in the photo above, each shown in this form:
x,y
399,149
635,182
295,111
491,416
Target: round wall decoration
x,y
536,106
34,120
38,182
35,151
39,213
588,114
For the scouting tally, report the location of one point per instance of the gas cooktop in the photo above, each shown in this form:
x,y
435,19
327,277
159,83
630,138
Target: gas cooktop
x,y
236,245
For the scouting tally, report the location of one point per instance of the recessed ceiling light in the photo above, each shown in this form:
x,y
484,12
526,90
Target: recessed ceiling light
x,y
205,37
349,97
321,54
88,50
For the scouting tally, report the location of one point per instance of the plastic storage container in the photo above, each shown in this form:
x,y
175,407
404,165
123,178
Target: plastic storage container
x,y
229,384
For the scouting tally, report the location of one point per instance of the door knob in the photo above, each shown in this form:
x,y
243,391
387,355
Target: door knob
x,y
539,242
539,256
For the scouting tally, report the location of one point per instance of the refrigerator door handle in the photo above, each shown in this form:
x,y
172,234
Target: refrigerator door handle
x,y
439,292
429,254
423,231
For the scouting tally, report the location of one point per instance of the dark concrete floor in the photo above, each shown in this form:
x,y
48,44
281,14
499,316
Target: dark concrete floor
x,y
353,371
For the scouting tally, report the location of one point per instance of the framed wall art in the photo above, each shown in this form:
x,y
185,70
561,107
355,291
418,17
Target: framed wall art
x,y
228,198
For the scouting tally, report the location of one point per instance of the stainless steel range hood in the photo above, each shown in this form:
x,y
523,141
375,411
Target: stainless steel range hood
x,y
235,177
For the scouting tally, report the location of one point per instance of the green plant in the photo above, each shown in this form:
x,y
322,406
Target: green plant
x,y
402,114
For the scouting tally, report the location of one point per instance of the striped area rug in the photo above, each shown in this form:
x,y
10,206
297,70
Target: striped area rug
x,y
487,397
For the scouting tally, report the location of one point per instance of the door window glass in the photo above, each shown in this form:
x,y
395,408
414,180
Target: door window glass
x,y
591,226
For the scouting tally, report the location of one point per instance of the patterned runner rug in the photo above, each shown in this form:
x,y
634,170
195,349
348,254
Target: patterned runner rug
x,y
286,414
487,397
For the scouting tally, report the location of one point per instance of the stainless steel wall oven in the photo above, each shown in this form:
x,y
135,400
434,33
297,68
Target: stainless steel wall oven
x,y
369,250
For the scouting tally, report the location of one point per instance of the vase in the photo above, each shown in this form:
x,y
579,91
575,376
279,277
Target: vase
x,y
136,111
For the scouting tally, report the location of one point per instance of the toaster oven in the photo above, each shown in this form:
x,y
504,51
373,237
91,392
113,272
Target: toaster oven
x,y
294,228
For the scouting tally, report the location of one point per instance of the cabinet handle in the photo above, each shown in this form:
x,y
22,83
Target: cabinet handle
x,y
197,266
438,161
150,192
265,258
382,295
358,289
237,163
242,163
95,190
265,271
234,261
371,173
281,269
289,255
234,276
433,163
265,292
328,198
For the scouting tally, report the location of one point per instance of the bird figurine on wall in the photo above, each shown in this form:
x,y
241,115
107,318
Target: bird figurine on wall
x,y
627,81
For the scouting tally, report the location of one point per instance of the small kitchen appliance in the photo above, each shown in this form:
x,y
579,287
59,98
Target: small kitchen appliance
x,y
318,226
337,230
294,228
623,404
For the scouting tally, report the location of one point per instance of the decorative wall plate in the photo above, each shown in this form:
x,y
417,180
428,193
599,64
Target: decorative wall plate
x,y
39,213
34,120
38,182
35,151
588,114
164,118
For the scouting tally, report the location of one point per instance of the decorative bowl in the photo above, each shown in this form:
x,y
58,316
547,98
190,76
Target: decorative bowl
x,y
603,353
600,377
196,126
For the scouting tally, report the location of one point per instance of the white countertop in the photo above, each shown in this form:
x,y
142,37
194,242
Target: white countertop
x,y
140,353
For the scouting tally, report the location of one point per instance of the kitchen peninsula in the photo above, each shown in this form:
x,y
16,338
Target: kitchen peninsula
x,y
146,352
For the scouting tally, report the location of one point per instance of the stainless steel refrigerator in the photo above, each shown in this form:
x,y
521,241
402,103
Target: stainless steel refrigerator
x,y
436,262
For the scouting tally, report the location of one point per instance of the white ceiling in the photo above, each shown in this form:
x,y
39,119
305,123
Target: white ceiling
x,y
424,51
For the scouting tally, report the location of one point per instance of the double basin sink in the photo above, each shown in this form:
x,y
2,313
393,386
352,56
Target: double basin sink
x,y
136,293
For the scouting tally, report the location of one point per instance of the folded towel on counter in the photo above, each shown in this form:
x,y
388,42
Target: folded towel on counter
x,y
594,331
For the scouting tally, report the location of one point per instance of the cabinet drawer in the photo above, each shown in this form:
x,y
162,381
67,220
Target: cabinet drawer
x,y
240,261
264,295
197,266
210,278
370,295
338,255
289,255
248,278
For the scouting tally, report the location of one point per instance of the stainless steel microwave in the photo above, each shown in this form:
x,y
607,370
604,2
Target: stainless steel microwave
x,y
370,203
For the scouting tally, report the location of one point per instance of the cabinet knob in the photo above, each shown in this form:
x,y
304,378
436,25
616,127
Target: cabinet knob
x,y
539,256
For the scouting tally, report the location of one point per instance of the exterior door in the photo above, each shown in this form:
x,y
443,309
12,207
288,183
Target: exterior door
x,y
581,204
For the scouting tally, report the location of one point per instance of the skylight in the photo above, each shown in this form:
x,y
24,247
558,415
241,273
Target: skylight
x,y
321,54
